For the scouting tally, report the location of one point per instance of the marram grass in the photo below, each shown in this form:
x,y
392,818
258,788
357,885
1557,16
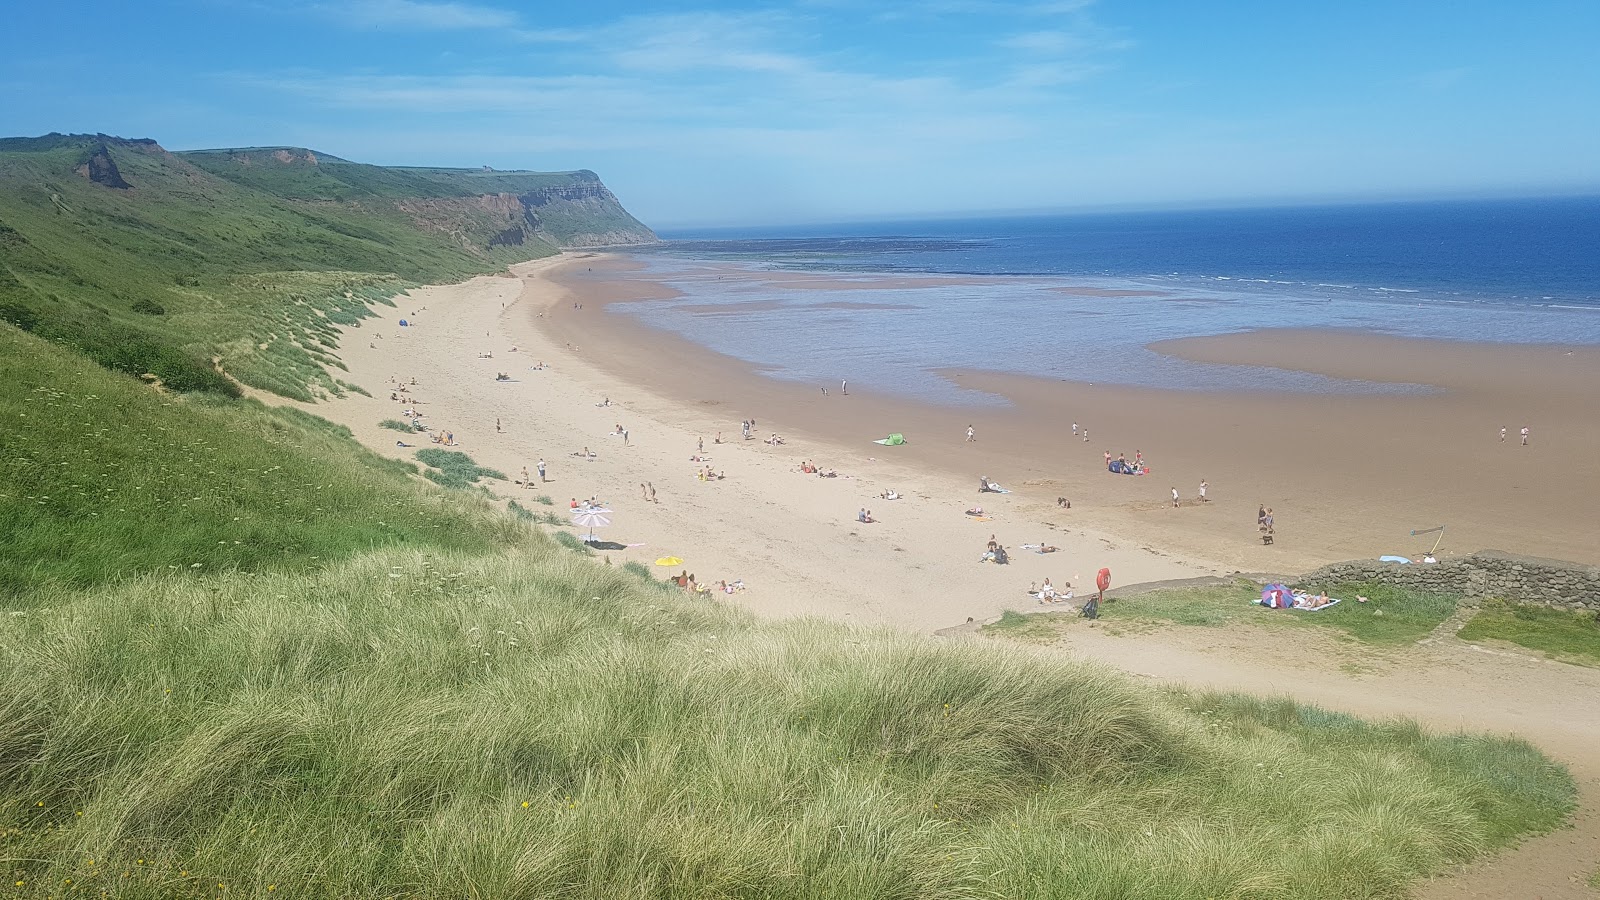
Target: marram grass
x,y
530,724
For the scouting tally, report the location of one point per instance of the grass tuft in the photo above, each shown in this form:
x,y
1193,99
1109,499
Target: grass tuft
x,y
454,469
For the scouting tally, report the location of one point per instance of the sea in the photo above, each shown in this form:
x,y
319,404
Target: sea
x,y
1029,294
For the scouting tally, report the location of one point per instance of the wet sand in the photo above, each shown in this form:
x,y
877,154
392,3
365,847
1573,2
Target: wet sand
x,y
1347,476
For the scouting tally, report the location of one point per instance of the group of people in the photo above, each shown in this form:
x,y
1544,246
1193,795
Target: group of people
x,y
1121,466
1047,593
1525,434
811,468
995,552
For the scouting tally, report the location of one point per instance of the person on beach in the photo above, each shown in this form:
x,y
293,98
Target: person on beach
x,y
700,445
1086,435
1261,516
644,492
540,467
1203,487
844,387
1108,459
972,435
1502,435
651,487
1524,435
1074,428
525,477
824,392
498,428
1174,498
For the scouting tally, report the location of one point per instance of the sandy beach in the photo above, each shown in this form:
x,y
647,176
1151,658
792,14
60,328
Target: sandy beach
x,y
793,538
1347,477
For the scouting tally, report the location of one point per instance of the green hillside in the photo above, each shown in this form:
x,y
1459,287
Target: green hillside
x,y
241,655
159,263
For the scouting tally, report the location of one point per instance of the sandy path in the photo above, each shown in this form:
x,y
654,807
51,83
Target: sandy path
x,y
1444,683
793,537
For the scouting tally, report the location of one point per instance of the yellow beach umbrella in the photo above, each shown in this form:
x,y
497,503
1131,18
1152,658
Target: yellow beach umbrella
x,y
669,561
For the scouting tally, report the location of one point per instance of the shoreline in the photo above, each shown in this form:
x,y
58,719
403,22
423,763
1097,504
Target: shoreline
x,y
792,538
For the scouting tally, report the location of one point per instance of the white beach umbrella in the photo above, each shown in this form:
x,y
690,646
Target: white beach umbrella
x,y
592,519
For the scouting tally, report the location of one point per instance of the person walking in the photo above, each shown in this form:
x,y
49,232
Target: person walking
x,y
1203,487
972,435
1524,435
1502,435
844,386
1174,498
540,467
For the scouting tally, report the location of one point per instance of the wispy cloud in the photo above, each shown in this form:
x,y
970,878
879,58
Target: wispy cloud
x,y
416,15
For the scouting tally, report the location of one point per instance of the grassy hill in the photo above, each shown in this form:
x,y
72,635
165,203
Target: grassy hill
x,y
156,262
241,655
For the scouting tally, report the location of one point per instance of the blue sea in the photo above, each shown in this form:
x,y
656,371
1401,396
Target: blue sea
x,y
1521,271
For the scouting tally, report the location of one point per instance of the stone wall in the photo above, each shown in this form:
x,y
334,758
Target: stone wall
x,y
1487,573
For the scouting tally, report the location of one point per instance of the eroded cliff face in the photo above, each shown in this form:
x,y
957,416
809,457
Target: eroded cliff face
x,y
561,216
584,213
100,168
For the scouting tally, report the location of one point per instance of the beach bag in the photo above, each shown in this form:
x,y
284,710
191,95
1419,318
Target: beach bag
x,y
1091,609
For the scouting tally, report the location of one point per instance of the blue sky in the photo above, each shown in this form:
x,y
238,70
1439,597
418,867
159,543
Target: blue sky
x,y
699,113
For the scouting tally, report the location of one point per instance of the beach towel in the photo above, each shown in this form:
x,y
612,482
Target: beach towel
x,y
1332,602
1394,559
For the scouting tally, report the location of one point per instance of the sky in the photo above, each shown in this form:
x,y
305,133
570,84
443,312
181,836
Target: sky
x,y
706,114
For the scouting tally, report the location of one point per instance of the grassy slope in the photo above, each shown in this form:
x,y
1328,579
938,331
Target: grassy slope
x,y
256,268
535,725
102,477
1561,634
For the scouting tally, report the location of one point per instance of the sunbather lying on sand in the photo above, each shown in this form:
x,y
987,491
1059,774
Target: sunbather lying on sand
x,y
975,511
889,495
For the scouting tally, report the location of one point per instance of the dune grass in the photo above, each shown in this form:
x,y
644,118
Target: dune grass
x,y
397,425
1392,616
530,724
102,478
454,469
1560,634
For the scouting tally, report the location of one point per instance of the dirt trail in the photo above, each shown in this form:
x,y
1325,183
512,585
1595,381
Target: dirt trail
x,y
1442,682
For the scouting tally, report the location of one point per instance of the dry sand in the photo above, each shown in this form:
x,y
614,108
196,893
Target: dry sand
x,y
1363,471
